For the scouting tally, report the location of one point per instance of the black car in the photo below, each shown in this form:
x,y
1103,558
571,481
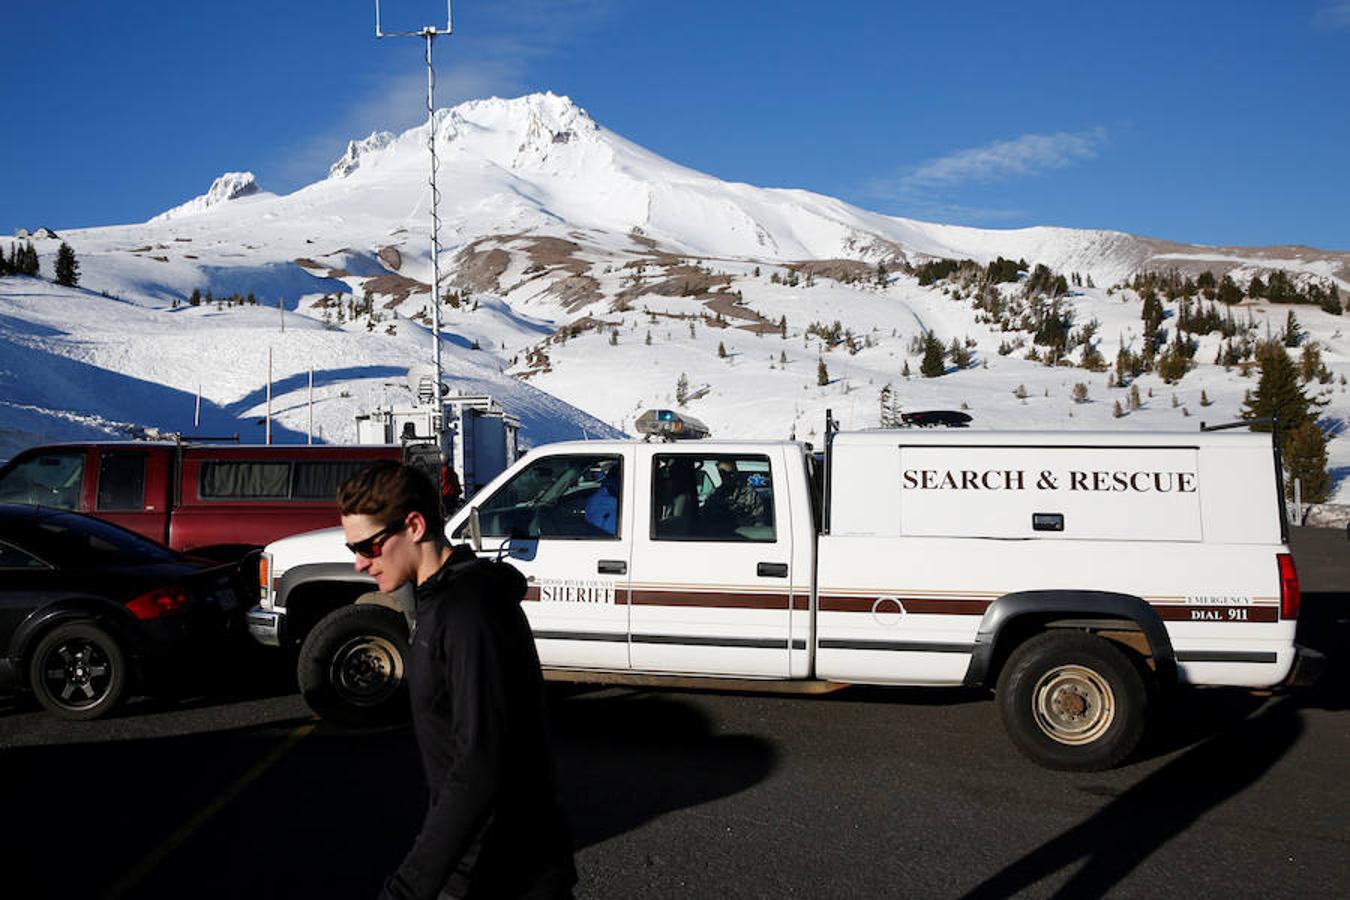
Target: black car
x,y
90,611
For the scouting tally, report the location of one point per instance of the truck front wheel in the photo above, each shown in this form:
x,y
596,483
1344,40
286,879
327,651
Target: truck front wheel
x,y
352,667
1072,701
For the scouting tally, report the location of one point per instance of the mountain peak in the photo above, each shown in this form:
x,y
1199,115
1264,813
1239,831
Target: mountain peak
x,y
513,132
230,186
359,150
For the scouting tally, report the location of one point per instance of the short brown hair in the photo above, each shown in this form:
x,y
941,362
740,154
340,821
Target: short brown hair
x,y
388,491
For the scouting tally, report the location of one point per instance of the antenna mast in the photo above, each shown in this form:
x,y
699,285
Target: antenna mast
x,y
429,33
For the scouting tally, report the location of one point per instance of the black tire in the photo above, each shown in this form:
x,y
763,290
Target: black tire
x,y
1073,702
353,666
78,671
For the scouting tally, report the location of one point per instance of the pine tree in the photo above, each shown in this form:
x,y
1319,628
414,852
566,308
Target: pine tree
x,y
1229,292
67,268
682,390
886,400
1278,393
1310,363
1292,334
960,355
822,373
721,350
933,357
1204,399
1080,393
1305,456
1117,412
1134,400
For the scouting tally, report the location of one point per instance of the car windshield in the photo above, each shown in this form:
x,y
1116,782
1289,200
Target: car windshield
x,y
70,541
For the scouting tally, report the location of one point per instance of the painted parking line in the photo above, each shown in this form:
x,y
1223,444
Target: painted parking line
x,y
138,872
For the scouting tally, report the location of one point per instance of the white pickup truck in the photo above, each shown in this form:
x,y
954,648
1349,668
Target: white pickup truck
x,y
1077,574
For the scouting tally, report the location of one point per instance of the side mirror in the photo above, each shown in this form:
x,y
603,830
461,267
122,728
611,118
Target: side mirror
x,y
475,531
522,548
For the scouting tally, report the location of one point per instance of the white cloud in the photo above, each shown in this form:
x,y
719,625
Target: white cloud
x,y
925,189
1335,15
1029,154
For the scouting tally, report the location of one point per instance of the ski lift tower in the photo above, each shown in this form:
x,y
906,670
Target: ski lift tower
x,y
429,33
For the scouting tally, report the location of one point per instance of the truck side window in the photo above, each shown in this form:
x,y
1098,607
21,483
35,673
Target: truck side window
x,y
121,482
574,497
222,480
319,479
727,497
49,479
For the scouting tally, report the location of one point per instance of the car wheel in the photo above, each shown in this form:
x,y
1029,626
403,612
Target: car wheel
x,y
1072,701
352,667
78,671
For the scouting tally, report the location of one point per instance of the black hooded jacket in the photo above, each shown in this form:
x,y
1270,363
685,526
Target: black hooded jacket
x,y
493,827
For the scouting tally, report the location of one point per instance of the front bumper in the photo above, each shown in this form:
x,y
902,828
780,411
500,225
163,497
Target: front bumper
x,y
266,626
1308,667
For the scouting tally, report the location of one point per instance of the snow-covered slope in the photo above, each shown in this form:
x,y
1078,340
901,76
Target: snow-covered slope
x,y
549,222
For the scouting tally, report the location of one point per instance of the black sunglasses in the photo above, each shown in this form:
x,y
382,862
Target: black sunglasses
x,y
371,547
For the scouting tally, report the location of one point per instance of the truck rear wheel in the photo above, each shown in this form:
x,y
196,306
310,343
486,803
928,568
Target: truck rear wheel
x,y
352,667
1072,701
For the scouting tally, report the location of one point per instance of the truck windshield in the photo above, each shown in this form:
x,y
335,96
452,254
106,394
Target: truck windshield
x,y
558,497
47,479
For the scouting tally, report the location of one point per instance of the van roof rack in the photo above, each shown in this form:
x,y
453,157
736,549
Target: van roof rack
x,y
1241,423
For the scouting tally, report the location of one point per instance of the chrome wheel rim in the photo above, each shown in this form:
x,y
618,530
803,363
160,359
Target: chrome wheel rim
x,y
366,670
1073,705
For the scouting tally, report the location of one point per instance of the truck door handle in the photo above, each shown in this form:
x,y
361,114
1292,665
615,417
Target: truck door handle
x,y
1047,521
772,570
611,567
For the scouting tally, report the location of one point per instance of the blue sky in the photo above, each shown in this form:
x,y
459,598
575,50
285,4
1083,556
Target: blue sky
x,y
1213,122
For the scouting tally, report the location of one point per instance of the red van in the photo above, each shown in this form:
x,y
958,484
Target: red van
x,y
215,500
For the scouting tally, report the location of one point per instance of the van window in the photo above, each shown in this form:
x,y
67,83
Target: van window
x,y
320,479
48,479
245,480
726,497
577,497
121,481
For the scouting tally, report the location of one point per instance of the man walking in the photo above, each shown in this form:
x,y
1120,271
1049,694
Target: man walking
x,y
493,827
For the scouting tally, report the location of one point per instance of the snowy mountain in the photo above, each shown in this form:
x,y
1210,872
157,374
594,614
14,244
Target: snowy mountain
x,y
230,186
588,273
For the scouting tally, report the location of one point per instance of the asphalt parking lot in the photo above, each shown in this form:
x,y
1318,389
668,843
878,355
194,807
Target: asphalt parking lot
x,y
864,793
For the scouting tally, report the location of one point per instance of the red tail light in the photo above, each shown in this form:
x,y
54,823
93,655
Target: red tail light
x,y
159,602
1290,598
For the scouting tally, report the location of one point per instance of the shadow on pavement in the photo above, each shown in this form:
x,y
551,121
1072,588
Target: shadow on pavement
x,y
1111,843
1324,625
285,811
626,757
